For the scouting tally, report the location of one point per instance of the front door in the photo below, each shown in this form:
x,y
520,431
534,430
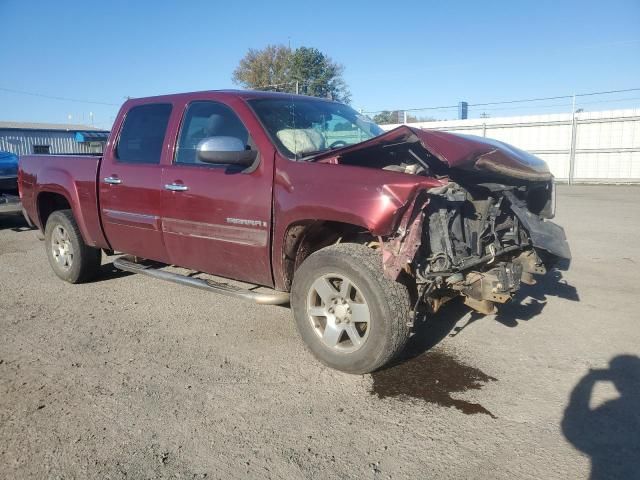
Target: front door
x,y
130,183
216,218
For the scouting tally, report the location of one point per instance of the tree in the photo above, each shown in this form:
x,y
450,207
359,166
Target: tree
x,y
414,119
307,70
267,68
317,75
386,117
396,116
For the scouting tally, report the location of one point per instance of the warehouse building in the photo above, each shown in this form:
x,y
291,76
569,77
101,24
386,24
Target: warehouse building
x,y
27,138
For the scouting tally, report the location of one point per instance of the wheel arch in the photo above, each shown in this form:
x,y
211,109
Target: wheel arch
x,y
304,237
48,202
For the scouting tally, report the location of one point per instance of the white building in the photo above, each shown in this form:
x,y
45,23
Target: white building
x,y
27,138
599,147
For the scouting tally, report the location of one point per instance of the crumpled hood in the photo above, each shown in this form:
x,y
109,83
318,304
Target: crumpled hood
x,y
467,152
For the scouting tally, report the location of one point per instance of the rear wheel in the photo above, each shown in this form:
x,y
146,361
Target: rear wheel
x,y
349,314
70,258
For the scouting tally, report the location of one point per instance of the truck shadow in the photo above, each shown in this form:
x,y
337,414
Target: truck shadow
x,y
607,433
431,329
109,272
14,222
529,301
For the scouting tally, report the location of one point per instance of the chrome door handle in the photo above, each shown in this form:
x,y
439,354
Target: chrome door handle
x,y
112,180
176,187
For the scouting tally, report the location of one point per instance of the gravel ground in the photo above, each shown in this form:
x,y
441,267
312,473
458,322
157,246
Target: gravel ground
x,y
137,378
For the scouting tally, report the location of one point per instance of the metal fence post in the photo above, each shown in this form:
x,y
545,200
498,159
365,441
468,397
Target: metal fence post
x,y
572,148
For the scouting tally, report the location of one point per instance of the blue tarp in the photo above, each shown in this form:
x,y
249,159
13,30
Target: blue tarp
x,y
91,136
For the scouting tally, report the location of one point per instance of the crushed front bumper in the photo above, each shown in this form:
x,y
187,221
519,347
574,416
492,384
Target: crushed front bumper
x,y
480,247
483,289
544,235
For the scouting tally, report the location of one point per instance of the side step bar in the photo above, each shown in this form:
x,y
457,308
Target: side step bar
x,y
265,298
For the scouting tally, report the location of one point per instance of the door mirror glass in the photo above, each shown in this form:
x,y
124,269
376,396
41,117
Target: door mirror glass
x,y
225,150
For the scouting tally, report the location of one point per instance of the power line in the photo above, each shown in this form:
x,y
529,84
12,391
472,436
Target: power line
x,y
506,102
561,105
554,98
53,97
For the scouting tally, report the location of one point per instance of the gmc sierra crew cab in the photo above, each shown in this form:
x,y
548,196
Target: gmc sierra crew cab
x,y
307,202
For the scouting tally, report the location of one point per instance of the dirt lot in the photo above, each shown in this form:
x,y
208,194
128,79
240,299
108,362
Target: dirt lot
x,y
136,378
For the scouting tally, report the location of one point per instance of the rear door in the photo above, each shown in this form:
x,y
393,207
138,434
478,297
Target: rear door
x,y
130,183
216,218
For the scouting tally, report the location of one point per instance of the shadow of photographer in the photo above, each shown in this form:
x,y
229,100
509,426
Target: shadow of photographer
x,y
609,433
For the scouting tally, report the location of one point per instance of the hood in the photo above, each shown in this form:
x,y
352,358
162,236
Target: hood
x,y
466,152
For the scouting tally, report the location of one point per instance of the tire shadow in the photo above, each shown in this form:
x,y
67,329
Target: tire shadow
x,y
109,272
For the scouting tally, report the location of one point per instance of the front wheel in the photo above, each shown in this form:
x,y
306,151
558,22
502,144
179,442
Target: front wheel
x,y
349,314
70,258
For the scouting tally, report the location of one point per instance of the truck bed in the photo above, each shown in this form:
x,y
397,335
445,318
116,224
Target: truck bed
x,y
73,178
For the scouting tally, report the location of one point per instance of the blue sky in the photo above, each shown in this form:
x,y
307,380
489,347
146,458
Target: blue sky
x,y
396,54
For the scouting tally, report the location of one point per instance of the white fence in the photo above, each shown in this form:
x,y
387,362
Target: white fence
x,y
595,147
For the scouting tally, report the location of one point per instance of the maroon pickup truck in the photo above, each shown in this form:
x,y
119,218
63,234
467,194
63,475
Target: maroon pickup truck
x,y
307,202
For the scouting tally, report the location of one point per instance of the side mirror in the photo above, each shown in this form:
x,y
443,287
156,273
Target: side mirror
x,y
225,151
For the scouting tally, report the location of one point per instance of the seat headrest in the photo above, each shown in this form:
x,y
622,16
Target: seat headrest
x,y
301,140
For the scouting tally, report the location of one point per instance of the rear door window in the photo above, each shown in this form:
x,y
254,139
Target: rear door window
x,y
142,134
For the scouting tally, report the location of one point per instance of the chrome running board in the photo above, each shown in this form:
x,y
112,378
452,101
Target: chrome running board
x,y
273,297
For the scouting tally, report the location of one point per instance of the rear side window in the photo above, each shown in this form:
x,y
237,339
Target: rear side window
x,y
142,134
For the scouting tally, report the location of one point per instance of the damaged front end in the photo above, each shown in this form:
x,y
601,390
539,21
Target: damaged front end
x,y
480,241
482,232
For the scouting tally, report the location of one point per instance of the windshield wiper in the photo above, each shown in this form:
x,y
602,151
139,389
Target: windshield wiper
x,y
313,153
307,155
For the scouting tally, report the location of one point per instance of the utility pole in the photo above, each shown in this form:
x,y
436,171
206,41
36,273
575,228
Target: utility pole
x,y
297,87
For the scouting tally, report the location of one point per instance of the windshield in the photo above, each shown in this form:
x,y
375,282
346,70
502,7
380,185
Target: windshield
x,y
302,127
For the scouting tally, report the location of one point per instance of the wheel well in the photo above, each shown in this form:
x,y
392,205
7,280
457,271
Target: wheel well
x,y
48,203
304,238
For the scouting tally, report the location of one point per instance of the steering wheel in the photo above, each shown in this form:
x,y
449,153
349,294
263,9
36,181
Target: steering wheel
x,y
338,143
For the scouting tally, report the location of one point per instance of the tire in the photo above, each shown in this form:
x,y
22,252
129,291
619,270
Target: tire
x,y
323,304
70,258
